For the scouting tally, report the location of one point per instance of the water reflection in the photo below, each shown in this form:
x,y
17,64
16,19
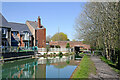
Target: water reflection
x,y
50,67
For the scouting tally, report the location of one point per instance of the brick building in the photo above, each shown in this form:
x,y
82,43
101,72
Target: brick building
x,y
23,35
73,44
38,32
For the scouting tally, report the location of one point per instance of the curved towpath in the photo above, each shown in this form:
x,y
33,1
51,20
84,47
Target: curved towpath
x,y
103,70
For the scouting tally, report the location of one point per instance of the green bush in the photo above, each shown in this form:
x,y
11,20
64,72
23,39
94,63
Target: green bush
x,y
72,53
1,57
67,45
47,49
67,61
50,53
67,53
44,53
54,53
57,46
60,53
81,53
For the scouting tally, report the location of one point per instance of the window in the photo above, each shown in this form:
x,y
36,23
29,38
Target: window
x,y
26,37
4,33
3,30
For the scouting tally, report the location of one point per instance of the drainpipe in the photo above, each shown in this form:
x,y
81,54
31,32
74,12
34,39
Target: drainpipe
x,y
28,42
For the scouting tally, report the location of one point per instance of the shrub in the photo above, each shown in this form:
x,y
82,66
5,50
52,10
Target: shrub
x,y
66,53
67,61
60,53
57,46
67,45
44,53
71,53
54,53
2,57
60,56
81,53
47,49
50,53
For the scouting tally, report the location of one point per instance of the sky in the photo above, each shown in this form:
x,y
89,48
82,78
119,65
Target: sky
x,y
53,15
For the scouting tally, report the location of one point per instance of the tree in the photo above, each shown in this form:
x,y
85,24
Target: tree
x,y
57,46
68,39
48,38
98,26
73,40
67,45
59,37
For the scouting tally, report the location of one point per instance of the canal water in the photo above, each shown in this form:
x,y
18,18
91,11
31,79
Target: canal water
x,y
50,67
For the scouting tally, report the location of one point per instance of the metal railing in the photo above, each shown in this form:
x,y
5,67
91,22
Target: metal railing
x,y
54,49
17,49
14,49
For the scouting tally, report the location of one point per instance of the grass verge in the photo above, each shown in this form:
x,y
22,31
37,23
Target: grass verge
x,y
85,68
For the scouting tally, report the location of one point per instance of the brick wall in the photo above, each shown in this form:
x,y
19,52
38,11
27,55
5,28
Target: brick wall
x,y
41,37
62,44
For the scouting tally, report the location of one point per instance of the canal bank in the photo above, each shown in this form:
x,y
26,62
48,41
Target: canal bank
x,y
8,56
84,69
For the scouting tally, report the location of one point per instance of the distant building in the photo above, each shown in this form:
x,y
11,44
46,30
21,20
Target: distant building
x,y
73,44
38,32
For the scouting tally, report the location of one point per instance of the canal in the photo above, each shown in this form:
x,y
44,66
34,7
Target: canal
x,y
50,67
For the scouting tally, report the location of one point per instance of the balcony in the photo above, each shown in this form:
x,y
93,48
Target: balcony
x,y
4,36
26,38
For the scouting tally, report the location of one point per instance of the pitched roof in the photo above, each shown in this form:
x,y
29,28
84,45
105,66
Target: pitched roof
x,y
19,27
3,21
34,24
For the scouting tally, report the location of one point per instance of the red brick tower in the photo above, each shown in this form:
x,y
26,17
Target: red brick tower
x,y
40,35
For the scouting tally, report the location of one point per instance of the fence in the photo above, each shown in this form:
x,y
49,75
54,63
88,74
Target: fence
x,y
54,49
14,49
17,49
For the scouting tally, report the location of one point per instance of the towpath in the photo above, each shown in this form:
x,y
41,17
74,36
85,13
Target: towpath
x,y
104,71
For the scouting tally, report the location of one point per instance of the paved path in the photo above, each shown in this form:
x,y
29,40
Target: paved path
x,y
103,70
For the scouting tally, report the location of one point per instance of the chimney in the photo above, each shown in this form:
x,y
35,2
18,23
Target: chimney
x,y
39,22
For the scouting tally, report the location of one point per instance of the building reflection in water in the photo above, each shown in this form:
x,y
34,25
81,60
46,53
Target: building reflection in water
x,y
35,68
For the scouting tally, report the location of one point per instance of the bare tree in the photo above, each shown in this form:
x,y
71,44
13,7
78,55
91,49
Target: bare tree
x,y
99,26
